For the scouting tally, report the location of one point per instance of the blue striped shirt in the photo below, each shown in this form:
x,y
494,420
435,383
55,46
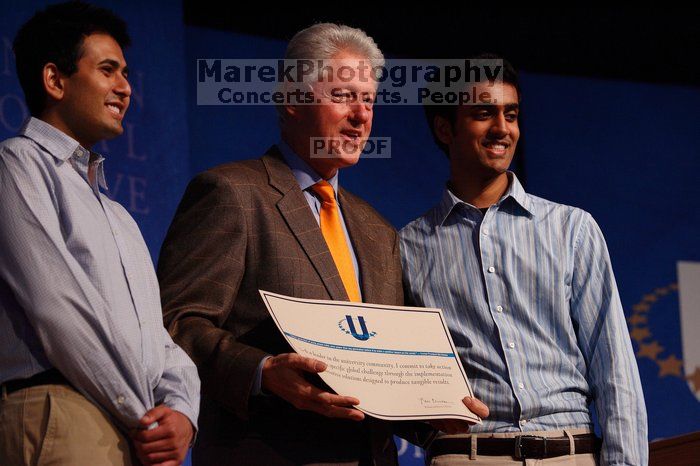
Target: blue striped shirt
x,y
531,301
77,287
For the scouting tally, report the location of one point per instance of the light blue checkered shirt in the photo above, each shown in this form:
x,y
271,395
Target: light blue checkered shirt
x,y
532,305
77,287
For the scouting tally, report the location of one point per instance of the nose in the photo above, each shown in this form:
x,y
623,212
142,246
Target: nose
x,y
122,86
361,113
500,126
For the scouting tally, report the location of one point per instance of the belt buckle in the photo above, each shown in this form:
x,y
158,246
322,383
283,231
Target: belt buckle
x,y
519,455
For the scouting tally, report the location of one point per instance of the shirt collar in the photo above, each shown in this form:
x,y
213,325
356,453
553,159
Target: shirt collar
x,y
304,174
82,165
518,194
55,141
64,148
515,191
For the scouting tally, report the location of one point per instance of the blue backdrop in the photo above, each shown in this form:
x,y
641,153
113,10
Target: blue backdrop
x,y
623,151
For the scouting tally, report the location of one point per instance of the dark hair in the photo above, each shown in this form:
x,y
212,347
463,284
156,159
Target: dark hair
x,y
55,35
449,112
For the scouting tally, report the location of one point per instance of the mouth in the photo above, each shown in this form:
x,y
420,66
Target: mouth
x,y
352,135
115,108
496,147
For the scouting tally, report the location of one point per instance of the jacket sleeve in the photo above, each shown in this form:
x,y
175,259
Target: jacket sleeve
x,y
201,266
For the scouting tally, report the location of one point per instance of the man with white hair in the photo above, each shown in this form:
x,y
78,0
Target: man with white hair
x,y
282,223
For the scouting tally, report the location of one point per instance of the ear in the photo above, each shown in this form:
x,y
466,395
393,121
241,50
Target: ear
x,y
443,130
53,81
296,95
290,110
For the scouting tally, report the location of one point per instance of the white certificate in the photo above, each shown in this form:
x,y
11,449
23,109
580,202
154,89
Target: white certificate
x,y
400,362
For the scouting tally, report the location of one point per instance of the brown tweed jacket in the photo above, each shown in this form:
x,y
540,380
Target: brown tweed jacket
x,y
245,226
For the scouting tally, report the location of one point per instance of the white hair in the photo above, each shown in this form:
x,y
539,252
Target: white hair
x,y
324,41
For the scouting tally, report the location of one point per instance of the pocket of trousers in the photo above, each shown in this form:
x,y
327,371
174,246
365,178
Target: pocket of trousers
x,y
50,431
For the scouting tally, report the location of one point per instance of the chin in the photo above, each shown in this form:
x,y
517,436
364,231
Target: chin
x,y
499,170
350,160
113,132
346,159
500,166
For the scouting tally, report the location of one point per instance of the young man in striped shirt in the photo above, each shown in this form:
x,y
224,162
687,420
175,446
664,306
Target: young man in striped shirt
x,y
528,290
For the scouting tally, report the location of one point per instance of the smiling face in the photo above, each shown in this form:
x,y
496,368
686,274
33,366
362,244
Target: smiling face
x,y
483,138
342,119
95,98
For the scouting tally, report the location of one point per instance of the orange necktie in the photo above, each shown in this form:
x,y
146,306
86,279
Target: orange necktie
x,y
333,233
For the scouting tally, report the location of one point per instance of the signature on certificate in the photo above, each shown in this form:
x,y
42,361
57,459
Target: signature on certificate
x,y
435,403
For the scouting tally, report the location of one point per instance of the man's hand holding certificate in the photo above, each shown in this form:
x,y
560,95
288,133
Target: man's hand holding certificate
x,y
399,362
284,375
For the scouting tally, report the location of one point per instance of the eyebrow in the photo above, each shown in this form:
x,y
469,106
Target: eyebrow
x,y
507,107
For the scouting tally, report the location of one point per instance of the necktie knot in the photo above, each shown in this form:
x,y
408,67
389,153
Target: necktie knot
x,y
324,189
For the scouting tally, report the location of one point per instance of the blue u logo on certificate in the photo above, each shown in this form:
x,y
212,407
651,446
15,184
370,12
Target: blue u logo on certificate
x,y
365,335
349,327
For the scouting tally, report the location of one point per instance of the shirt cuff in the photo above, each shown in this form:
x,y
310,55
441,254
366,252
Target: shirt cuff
x,y
256,389
186,410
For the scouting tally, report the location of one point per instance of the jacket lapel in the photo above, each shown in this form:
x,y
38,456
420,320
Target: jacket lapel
x,y
295,210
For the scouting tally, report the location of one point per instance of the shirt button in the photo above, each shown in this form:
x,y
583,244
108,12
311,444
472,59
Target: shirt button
x,y
521,386
511,344
499,308
120,399
492,269
524,421
485,231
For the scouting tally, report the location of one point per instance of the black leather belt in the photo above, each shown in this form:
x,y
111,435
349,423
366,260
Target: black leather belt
x,y
48,377
520,447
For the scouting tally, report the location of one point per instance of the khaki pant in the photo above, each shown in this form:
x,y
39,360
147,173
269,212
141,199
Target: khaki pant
x,y
55,425
572,459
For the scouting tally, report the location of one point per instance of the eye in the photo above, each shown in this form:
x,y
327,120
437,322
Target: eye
x,y
107,70
482,115
341,95
512,116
